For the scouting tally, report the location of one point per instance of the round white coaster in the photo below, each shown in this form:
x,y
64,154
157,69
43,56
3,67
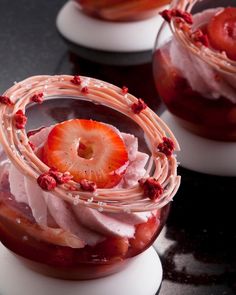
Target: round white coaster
x,y
142,276
108,36
201,154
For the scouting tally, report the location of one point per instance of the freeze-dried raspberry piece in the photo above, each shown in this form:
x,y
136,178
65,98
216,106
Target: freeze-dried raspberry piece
x,y
152,189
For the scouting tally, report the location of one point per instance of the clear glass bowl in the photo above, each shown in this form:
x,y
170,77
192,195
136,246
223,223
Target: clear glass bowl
x,y
121,10
196,81
46,248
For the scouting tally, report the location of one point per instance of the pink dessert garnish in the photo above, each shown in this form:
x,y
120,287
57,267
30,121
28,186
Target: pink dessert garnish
x,y
20,119
199,38
168,14
125,90
47,182
152,188
5,100
166,147
60,177
139,106
76,80
85,90
87,185
38,98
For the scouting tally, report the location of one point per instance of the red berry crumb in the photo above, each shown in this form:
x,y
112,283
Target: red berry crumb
x,y
20,119
72,188
38,98
167,14
76,80
137,107
184,15
151,188
84,90
59,176
88,185
199,38
46,182
183,26
166,147
5,100
125,90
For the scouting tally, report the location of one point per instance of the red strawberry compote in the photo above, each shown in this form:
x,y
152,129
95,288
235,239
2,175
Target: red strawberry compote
x,y
195,67
78,198
121,10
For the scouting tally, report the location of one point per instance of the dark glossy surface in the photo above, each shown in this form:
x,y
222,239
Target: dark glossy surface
x,y
197,247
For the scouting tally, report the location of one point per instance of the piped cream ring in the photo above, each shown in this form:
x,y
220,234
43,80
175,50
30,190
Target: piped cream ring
x,y
16,143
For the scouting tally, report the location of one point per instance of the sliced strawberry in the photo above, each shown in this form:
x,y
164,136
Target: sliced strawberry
x,y
145,233
88,150
222,31
112,248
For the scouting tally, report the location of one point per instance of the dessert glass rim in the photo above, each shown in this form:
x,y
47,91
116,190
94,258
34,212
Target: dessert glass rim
x,y
17,146
216,59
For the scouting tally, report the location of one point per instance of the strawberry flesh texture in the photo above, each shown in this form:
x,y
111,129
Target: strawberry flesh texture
x,y
222,32
88,150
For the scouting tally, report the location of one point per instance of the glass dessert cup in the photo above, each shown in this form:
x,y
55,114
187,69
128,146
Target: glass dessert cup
x,y
195,65
121,10
73,228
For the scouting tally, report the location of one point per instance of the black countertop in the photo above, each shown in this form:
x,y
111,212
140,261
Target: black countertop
x,y
197,245
29,42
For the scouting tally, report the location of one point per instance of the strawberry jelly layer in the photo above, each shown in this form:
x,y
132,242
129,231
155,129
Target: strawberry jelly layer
x,y
20,233
215,119
89,225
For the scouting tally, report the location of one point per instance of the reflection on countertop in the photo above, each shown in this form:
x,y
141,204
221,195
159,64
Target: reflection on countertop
x,y
197,246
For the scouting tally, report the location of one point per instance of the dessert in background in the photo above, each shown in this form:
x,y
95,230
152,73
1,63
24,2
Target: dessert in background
x,y
195,68
121,10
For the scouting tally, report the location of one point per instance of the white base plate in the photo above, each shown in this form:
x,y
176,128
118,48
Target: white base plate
x,y
201,154
108,36
142,276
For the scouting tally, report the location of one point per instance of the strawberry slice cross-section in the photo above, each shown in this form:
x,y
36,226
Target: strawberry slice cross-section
x,y
88,150
222,31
